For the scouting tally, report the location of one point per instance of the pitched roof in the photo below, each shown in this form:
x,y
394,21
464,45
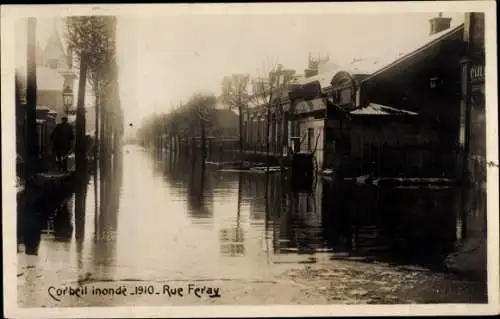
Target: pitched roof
x,y
226,118
397,56
380,60
379,109
54,48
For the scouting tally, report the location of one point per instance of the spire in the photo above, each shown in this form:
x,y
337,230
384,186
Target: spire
x,y
54,53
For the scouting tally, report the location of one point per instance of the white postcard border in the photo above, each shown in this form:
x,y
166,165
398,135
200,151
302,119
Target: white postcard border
x,y
8,161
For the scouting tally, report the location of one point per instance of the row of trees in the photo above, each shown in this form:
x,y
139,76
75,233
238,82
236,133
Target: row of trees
x,y
92,39
266,92
191,119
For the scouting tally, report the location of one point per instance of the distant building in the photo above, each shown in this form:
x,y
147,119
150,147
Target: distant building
x,y
255,117
225,124
53,73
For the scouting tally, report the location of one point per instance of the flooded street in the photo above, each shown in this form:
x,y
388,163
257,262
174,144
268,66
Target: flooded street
x,y
163,220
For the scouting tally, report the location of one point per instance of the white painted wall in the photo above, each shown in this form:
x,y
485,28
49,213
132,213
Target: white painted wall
x,y
318,126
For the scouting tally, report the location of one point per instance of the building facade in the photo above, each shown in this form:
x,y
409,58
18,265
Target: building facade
x,y
401,114
54,74
425,82
264,117
398,116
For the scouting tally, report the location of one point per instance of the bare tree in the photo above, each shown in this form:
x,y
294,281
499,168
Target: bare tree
x,y
95,38
201,108
267,91
235,95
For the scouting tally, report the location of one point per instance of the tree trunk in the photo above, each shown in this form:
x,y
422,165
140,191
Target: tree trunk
x,y
31,154
240,111
268,122
96,130
80,141
284,138
203,142
80,197
30,217
117,136
103,151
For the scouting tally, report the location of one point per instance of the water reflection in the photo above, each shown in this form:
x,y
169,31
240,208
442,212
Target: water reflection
x,y
106,220
80,206
44,210
160,216
63,221
409,225
232,239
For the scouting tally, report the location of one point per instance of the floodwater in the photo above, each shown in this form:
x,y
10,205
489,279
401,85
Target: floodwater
x,y
161,218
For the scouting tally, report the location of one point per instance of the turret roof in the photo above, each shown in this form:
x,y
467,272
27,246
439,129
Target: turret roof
x,y
54,47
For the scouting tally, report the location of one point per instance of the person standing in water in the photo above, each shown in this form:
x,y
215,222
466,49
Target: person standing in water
x,y
62,139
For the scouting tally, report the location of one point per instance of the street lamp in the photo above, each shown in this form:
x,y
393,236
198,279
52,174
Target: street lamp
x,y
67,99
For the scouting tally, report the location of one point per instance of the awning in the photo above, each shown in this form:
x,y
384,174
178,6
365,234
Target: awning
x,y
379,109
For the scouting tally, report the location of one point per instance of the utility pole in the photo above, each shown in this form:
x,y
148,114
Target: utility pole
x,y
31,153
31,231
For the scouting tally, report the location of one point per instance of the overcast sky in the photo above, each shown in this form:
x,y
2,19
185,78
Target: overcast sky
x,y
164,60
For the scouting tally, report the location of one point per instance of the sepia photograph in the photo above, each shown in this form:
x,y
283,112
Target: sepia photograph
x,y
323,158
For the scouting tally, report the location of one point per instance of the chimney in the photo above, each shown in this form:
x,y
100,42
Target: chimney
x,y
312,68
439,24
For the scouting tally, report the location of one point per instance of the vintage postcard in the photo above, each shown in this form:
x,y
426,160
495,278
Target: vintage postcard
x,y
291,159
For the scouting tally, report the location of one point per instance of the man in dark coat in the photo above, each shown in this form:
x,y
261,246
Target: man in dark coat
x,y
62,139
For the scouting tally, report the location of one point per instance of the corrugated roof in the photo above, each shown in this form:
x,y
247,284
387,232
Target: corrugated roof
x,y
379,109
